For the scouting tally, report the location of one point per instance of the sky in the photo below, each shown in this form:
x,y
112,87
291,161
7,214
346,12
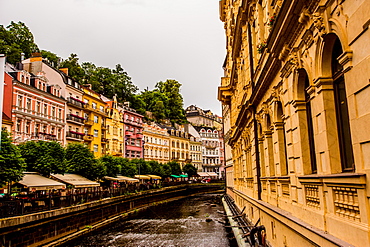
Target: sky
x,y
153,40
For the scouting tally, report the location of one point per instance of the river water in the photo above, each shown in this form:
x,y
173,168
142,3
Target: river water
x,y
194,221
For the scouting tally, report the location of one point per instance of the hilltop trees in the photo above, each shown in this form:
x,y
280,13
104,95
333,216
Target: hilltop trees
x,y
15,39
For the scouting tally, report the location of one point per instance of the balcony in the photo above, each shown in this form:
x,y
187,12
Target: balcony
x,y
88,107
88,122
128,132
88,138
72,135
104,127
104,140
139,135
75,119
75,102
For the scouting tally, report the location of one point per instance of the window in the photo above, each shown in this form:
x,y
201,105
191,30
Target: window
x,y
38,107
60,114
96,148
45,109
53,111
20,99
28,104
102,108
96,133
96,119
18,125
28,127
86,131
93,105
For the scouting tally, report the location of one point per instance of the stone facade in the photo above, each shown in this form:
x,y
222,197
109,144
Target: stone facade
x,y
296,106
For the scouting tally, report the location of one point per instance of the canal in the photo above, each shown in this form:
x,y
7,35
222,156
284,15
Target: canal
x,y
192,221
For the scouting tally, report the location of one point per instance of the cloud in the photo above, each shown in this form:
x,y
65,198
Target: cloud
x,y
115,2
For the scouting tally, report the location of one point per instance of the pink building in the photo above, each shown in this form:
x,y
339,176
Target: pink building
x,y
37,107
134,141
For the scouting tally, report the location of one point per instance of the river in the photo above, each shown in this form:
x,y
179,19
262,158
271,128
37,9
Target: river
x,y
194,221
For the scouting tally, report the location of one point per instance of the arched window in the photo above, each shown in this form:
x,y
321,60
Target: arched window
x,y
341,108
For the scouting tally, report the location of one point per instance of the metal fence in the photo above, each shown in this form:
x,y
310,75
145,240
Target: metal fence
x,y
27,204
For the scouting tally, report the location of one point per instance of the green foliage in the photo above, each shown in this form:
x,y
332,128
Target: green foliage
x,y
53,58
12,164
167,171
44,157
80,160
157,168
112,164
128,169
175,168
16,39
190,170
142,166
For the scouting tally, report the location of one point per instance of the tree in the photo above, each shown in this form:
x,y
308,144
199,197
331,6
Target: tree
x,y
175,168
81,160
74,68
175,104
44,157
166,170
12,164
15,39
53,59
127,168
112,164
157,168
143,167
190,170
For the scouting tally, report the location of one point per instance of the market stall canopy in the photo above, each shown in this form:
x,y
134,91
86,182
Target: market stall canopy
x,y
203,174
154,176
175,176
142,177
122,179
35,181
207,174
75,180
183,175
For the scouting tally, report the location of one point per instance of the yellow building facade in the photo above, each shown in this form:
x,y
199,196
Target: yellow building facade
x,y
157,142
94,125
114,133
296,107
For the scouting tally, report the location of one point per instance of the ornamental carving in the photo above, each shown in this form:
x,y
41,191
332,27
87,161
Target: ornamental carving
x,y
318,22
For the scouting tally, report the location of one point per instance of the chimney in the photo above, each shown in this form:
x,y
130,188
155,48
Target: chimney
x,y
36,63
64,70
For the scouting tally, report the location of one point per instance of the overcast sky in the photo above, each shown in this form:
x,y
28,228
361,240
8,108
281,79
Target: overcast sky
x,y
152,40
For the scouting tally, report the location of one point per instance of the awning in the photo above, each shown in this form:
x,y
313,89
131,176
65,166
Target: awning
x,y
154,176
122,179
34,181
142,177
175,176
184,175
75,180
203,174
212,174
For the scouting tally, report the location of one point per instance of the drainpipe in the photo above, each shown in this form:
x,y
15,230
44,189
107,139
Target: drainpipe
x,y
256,144
251,69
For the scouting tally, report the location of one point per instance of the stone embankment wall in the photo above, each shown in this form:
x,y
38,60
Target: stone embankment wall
x,y
42,228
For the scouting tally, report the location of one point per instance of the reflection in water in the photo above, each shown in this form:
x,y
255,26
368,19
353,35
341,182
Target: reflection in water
x,y
193,221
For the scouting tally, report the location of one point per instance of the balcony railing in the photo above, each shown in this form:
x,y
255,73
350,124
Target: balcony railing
x,y
88,122
105,140
75,118
74,135
75,102
88,137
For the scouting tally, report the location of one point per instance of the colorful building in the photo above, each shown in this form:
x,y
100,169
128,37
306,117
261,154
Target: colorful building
x,y
296,98
37,107
7,103
94,125
134,142
115,128
157,140
69,89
